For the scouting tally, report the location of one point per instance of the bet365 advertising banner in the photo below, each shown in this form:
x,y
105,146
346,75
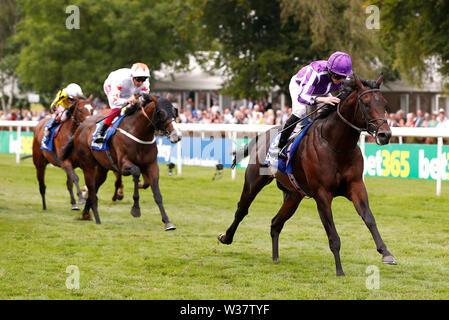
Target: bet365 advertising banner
x,y
418,161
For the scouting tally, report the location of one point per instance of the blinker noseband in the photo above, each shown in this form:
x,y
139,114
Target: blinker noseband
x,y
369,122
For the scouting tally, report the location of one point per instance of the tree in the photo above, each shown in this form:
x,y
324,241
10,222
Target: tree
x,y
112,34
415,32
9,16
263,43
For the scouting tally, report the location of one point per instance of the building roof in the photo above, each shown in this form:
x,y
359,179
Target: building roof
x,y
193,78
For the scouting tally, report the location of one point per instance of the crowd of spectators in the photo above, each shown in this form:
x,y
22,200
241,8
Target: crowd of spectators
x,y
420,119
253,112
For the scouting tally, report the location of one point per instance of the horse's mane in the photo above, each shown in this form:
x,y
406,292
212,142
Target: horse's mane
x,y
345,91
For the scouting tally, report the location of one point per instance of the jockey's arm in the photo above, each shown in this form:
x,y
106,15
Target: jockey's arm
x,y
115,99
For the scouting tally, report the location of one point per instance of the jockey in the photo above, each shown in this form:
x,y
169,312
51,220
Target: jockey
x,y
313,85
120,87
64,100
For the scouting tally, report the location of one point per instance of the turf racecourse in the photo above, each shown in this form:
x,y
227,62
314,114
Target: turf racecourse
x,y
134,258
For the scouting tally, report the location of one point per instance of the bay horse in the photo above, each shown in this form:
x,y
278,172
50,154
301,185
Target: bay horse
x,y
328,163
132,151
77,113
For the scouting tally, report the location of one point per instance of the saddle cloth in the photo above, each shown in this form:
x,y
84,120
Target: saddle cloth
x,y
47,145
109,133
285,166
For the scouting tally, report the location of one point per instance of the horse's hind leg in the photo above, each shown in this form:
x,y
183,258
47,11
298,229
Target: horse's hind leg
x,y
254,182
291,202
358,195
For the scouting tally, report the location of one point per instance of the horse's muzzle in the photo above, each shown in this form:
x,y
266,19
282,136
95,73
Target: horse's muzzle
x,y
383,137
176,134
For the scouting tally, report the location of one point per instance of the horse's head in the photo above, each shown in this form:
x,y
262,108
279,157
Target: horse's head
x,y
164,119
82,109
370,110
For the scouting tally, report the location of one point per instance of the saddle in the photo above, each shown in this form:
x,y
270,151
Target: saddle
x,y
109,133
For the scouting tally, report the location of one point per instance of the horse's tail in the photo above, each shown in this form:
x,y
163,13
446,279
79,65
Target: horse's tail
x,y
68,148
242,153
26,157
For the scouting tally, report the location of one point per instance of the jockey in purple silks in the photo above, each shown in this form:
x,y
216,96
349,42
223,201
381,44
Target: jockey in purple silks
x,y
313,85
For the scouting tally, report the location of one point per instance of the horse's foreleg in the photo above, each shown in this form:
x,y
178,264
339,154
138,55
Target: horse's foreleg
x,y
70,180
291,202
79,193
323,201
131,169
118,194
359,197
93,177
253,184
40,172
151,177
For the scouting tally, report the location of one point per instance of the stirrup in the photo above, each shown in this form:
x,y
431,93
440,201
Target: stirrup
x,y
283,152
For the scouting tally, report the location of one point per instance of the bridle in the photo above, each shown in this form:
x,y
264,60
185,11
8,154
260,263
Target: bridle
x,y
155,124
75,109
369,123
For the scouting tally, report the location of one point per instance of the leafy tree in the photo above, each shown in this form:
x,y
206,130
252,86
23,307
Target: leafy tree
x,y
263,43
257,49
112,34
414,32
9,16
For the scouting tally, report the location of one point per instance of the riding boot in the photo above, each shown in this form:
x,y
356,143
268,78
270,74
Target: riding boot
x,y
47,131
99,137
286,132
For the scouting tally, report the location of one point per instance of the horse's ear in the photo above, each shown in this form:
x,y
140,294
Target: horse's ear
x,y
76,99
90,98
379,81
357,81
153,98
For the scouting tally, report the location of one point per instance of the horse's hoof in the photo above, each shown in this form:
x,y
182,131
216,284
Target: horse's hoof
x,y
75,207
222,238
81,201
85,217
169,226
389,260
135,212
120,197
341,274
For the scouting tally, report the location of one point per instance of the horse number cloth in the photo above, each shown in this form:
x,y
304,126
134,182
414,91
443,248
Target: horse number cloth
x,y
109,133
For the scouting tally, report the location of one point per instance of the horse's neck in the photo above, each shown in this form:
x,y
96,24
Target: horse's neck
x,y
140,126
338,134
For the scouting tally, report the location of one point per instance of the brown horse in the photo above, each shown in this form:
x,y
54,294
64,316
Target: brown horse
x,y
77,113
327,163
132,151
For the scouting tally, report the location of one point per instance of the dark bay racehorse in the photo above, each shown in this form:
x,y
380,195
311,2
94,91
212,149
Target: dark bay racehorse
x,y
327,163
132,152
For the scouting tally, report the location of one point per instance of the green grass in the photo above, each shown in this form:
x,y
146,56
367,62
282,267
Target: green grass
x,y
129,258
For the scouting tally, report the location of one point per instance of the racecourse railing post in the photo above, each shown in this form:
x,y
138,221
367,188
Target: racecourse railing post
x,y
362,149
234,148
441,168
19,144
179,157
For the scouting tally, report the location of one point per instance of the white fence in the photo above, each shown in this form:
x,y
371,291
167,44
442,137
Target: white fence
x,y
231,130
